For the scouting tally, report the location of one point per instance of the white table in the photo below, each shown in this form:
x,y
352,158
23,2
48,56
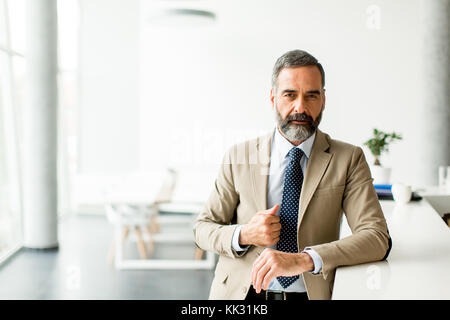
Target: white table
x,y
418,266
438,198
192,209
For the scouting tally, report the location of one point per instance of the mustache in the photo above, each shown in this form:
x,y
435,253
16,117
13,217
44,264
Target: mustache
x,y
299,117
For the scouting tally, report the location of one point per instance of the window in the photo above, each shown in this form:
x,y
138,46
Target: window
x,y
12,62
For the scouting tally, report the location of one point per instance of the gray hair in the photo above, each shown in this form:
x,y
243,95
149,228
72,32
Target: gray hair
x,y
293,59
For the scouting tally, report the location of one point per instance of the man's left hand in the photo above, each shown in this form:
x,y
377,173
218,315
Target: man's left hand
x,y
273,263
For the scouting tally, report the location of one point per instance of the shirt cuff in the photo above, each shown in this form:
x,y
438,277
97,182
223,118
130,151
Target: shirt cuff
x,y
235,241
316,259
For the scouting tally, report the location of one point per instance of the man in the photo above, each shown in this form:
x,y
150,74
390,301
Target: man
x,y
274,215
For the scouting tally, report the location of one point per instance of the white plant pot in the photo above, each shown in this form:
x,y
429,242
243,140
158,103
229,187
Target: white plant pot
x,y
381,175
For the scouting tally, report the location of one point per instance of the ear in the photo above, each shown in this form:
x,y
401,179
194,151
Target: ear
x,y
272,98
324,99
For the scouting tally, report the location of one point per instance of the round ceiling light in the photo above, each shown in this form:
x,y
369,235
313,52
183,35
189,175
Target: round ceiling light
x,y
181,17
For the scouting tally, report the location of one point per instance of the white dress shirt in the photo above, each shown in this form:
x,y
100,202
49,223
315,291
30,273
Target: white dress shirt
x,y
278,162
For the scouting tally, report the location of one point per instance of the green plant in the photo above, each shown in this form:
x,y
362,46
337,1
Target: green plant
x,y
380,143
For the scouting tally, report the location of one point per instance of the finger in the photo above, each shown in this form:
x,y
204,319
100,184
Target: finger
x,y
272,210
268,279
276,234
276,226
272,219
260,277
274,241
256,266
259,262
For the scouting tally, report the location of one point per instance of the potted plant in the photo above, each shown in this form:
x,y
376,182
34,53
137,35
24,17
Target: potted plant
x,y
378,145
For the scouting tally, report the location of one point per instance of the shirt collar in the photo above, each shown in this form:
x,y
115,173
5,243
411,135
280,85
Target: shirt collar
x,y
284,146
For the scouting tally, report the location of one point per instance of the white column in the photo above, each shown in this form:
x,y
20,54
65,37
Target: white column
x,y
40,196
434,147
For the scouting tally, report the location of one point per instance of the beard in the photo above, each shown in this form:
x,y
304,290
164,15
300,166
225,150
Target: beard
x,y
297,132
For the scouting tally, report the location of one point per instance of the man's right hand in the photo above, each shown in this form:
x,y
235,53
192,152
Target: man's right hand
x,y
262,230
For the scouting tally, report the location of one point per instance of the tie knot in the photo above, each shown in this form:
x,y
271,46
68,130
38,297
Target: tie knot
x,y
295,154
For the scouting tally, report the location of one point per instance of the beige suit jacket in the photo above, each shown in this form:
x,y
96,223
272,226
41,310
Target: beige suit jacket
x,y
337,180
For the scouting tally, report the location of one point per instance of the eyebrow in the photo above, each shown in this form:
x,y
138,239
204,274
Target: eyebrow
x,y
295,91
313,92
288,91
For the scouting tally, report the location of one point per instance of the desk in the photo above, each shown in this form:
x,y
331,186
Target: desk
x,y
418,266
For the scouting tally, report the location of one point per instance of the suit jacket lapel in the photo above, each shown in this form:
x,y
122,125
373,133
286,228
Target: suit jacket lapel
x,y
317,164
259,160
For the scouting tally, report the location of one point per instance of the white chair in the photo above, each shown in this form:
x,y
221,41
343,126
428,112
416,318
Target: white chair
x,y
127,219
137,218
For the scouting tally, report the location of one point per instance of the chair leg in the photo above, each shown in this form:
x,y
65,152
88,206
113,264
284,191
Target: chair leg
x,y
140,243
151,246
154,223
198,254
126,231
112,250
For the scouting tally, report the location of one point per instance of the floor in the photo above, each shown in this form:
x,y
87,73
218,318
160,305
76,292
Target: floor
x,y
79,269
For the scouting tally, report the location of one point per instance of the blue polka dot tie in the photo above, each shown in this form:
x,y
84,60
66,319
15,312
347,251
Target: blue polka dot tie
x,y
293,181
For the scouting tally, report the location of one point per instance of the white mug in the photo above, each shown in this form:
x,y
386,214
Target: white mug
x,y
401,193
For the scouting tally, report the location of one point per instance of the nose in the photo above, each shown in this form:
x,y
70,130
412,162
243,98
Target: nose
x,y
299,105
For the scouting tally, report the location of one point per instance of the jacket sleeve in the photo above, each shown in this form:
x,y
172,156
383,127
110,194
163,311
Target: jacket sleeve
x,y
213,229
370,240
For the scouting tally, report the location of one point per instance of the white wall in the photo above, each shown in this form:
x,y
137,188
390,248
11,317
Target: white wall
x,y
216,80
109,95
201,88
